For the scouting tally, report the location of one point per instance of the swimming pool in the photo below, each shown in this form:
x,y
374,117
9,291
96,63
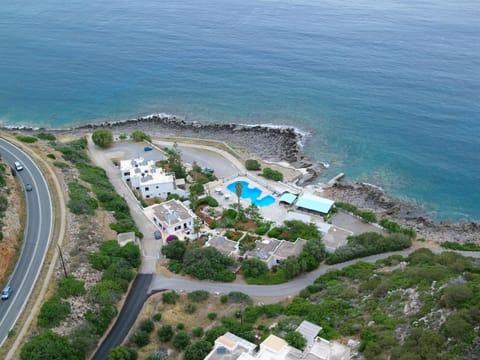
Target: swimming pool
x,y
252,193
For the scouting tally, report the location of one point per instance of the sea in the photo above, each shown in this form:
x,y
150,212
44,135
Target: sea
x,y
388,91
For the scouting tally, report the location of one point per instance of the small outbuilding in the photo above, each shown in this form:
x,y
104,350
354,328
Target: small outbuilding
x,y
288,198
314,203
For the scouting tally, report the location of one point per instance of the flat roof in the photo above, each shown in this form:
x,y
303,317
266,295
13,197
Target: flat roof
x,y
315,203
287,197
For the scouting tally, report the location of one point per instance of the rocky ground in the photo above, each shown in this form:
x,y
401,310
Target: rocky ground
x,y
371,198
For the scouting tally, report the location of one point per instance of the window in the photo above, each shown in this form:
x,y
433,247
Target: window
x,y
147,188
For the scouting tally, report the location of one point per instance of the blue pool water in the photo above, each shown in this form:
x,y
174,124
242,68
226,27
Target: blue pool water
x,y
252,193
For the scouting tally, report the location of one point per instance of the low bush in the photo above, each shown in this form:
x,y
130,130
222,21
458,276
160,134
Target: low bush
x,y
462,247
198,296
170,297
271,174
141,338
147,325
53,311
213,316
190,308
27,139
368,244
252,165
61,165
46,136
70,287
165,333
51,156
101,318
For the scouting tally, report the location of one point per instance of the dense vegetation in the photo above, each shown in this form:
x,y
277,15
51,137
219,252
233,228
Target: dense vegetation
x,y
294,229
138,135
80,200
461,247
117,265
3,198
252,165
102,138
369,243
202,263
271,174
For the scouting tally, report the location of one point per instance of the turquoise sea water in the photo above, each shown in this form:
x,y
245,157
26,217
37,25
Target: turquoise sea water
x,y
389,91
252,193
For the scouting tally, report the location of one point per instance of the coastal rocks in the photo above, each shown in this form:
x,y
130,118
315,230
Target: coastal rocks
x,y
268,142
366,196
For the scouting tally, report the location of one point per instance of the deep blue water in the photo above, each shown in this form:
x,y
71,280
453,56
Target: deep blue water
x,y
252,193
389,91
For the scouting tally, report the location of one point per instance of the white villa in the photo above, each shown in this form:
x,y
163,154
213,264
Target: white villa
x,y
151,181
173,218
273,251
231,347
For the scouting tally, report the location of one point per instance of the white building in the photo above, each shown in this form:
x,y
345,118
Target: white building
x,y
151,181
173,218
276,348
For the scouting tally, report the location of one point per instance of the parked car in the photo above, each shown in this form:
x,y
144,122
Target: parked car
x,y
18,166
6,292
28,187
147,148
157,234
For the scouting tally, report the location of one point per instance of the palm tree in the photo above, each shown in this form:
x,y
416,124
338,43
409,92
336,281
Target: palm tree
x,y
238,191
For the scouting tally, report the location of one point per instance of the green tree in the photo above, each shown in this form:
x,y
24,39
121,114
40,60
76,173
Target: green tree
x,y
295,339
271,174
53,311
147,325
48,345
458,328
102,138
207,263
138,135
197,351
456,295
165,333
253,268
141,338
71,287
252,165
122,353
170,297
181,340
175,162
238,192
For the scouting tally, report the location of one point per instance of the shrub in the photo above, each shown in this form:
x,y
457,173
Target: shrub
x,y
271,174
60,165
141,338
208,200
105,292
180,326
455,295
49,345
165,333
224,299
101,318
170,297
197,331
122,353
52,312
147,325
51,156
368,244
368,216
295,339
190,308
102,138
70,287
84,338
208,263
46,136
253,268
138,135
181,340
239,297
157,317
462,247
197,351
252,165
198,295
27,139
213,316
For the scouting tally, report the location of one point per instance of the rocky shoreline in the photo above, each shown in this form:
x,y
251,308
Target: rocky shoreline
x,y
275,143
366,196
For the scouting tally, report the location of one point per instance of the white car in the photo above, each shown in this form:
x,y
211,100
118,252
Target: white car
x,y
18,166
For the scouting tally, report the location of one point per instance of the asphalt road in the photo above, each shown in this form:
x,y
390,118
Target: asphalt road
x,y
129,313
38,231
293,287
